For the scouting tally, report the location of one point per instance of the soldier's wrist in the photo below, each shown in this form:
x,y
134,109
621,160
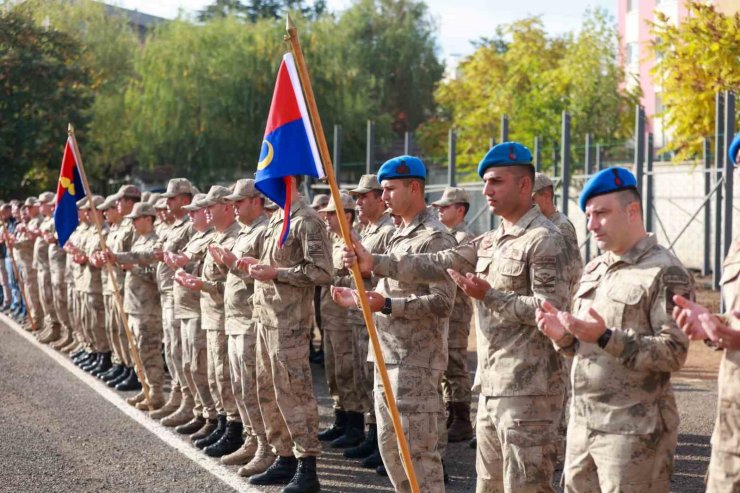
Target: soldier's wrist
x,y
604,338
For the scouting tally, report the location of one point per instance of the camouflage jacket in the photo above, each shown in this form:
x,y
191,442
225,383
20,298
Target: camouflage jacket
x,y
625,387
303,263
415,334
239,288
566,228
187,302
78,270
41,247
91,280
524,266
24,242
462,311
140,295
726,436
213,277
173,239
333,316
120,239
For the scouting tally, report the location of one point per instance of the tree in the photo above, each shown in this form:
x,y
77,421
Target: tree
x,y
695,60
44,85
532,77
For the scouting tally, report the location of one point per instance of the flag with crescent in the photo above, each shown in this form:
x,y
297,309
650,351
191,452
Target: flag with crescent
x,y
289,145
69,191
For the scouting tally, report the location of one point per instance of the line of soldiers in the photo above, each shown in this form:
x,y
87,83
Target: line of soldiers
x,y
204,277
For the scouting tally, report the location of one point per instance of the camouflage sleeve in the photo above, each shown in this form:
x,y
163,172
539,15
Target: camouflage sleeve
x,y
548,281
441,295
213,286
666,349
315,269
426,267
131,257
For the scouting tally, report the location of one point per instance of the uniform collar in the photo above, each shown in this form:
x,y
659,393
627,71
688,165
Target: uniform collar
x,y
296,207
420,219
384,220
520,227
634,254
246,228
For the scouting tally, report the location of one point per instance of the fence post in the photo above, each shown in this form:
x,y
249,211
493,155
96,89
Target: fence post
x,y
587,170
599,165
370,154
719,144
649,181
729,174
504,128
706,267
537,161
491,142
452,158
407,142
639,146
555,171
565,159
337,154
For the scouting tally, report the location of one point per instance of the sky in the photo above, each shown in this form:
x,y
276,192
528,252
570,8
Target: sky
x,y
459,21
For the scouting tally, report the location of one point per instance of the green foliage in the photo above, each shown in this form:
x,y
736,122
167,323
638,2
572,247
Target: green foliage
x,y
533,77
697,59
44,85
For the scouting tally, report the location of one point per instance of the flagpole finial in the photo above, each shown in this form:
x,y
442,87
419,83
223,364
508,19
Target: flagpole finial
x,y
70,129
289,25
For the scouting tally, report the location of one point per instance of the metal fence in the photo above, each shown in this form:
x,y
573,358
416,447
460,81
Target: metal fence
x,y
688,205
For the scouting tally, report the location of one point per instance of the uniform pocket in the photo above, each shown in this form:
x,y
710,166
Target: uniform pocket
x,y
531,447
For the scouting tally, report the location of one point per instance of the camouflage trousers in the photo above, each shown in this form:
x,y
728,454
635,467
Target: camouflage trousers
x,y
517,443
724,472
363,372
74,314
46,297
93,321
608,462
5,283
339,366
243,364
422,416
147,331
456,382
285,391
31,286
195,367
219,375
173,346
61,307
116,333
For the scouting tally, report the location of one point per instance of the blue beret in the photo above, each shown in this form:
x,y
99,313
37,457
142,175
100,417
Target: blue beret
x,y
402,167
734,148
607,181
505,154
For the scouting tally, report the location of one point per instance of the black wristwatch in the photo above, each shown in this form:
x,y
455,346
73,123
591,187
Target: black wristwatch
x,y
387,307
604,338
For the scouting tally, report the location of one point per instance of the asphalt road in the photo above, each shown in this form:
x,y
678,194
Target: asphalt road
x,y
60,435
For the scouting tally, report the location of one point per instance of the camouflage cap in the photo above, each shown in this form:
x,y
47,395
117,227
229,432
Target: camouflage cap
x,y
217,195
142,209
197,202
153,198
47,198
84,204
367,184
31,201
108,203
145,196
541,181
129,191
319,200
178,186
452,195
347,202
270,205
242,189
161,203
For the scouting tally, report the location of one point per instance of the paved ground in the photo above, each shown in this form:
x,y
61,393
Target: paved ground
x,y
60,435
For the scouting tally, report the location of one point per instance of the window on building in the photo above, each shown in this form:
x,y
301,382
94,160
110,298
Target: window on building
x,y
631,5
659,108
632,54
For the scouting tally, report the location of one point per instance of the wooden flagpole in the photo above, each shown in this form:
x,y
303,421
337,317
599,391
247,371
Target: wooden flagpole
x,y
21,281
138,365
295,45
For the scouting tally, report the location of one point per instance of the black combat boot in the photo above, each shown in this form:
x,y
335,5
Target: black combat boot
x,y
380,470
191,426
104,364
210,425
373,460
121,377
280,472
354,432
88,367
473,443
113,373
336,429
131,382
366,448
305,479
460,429
215,434
83,358
229,442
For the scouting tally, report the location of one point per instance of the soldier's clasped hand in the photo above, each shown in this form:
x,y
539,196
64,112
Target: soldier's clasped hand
x,y
548,322
360,255
726,336
686,313
472,285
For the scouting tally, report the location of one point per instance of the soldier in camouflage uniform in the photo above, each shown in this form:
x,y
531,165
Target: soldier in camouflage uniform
x,y
509,272
412,328
23,248
456,384
348,429
722,331
375,237
142,305
242,330
188,313
228,433
71,272
624,422
43,268
285,281
59,285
